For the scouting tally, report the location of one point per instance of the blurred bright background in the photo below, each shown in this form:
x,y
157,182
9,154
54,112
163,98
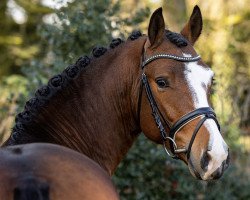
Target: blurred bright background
x,y
39,38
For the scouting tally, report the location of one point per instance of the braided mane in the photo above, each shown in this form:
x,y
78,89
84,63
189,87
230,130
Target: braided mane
x,y
176,39
60,81
57,83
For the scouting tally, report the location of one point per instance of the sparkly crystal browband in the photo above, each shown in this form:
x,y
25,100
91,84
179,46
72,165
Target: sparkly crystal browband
x,y
169,56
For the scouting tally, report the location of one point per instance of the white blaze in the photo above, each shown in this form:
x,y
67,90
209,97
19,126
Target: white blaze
x,y
199,79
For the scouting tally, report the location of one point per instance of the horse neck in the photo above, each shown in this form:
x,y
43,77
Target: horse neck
x,y
96,113
108,106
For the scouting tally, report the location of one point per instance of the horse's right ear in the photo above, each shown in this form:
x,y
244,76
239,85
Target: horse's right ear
x,y
156,28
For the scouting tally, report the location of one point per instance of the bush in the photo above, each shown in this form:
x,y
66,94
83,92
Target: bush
x,y
148,173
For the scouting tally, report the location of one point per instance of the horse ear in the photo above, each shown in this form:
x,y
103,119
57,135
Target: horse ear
x,y
193,28
156,28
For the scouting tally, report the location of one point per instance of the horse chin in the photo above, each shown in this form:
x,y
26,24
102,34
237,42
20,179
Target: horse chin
x,y
193,171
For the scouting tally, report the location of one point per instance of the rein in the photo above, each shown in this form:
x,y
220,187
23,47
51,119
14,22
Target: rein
x,y
205,112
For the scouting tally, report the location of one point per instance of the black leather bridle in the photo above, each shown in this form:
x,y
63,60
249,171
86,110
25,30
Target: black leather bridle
x,y
203,113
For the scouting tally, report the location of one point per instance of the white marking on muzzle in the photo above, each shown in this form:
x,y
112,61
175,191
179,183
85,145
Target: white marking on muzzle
x,y
198,79
218,150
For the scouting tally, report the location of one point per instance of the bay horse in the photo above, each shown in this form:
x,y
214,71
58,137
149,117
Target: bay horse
x,y
41,171
155,84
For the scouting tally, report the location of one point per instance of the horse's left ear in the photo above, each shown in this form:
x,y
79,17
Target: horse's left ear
x,y
156,28
193,28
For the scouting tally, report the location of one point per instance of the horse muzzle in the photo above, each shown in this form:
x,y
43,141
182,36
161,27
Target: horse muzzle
x,y
204,173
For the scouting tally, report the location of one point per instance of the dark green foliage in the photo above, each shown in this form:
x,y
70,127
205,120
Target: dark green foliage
x,y
148,173
18,42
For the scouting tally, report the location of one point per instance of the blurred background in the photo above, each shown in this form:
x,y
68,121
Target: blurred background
x,y
39,38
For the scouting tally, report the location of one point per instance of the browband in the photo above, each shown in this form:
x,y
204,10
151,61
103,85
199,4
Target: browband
x,y
169,56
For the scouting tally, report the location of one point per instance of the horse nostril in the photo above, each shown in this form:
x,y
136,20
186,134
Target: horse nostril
x,y
205,161
217,173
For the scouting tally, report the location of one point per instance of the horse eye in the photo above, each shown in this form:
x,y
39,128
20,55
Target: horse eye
x,y
162,83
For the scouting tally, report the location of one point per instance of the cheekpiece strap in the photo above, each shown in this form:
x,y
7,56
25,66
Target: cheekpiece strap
x,y
154,108
169,56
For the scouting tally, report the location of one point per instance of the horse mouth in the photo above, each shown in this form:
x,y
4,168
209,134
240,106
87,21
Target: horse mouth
x,y
193,171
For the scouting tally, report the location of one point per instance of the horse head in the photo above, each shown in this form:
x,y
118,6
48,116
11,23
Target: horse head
x,y
177,88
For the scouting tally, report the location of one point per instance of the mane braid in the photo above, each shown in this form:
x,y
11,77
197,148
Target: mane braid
x,y
176,39
55,84
135,35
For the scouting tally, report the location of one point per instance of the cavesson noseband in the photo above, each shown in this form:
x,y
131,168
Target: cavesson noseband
x,y
205,112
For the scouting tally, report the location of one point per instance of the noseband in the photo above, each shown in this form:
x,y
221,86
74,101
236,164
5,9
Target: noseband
x,y
203,113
